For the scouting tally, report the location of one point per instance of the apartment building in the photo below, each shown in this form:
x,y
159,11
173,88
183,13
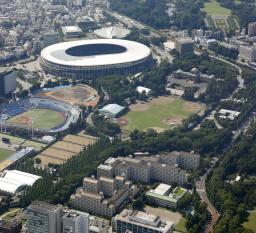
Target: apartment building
x,y
164,168
104,197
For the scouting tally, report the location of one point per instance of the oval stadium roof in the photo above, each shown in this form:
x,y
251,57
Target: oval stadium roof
x,y
111,55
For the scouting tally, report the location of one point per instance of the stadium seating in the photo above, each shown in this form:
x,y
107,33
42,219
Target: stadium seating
x,y
17,108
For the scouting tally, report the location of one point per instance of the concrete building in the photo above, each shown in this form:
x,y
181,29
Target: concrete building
x,y
144,170
51,38
13,226
103,196
140,222
247,53
163,196
185,160
112,110
86,23
75,222
7,81
44,218
71,31
184,46
252,29
99,225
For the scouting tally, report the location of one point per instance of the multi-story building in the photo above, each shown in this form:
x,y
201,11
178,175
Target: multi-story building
x,y
44,218
252,29
148,169
247,53
103,196
51,38
75,222
185,160
7,81
71,31
140,222
184,46
13,226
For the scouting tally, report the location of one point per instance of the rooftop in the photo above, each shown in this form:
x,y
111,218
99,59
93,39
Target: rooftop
x,y
113,108
144,219
133,52
13,180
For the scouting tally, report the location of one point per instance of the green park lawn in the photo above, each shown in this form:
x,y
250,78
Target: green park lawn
x,y
159,114
181,226
214,8
4,154
251,223
41,118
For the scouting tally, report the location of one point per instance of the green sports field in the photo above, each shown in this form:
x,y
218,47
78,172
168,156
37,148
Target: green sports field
x,y
251,223
160,114
214,8
41,118
4,154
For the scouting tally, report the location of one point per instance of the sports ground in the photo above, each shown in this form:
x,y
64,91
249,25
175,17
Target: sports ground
x,y
40,118
81,95
160,114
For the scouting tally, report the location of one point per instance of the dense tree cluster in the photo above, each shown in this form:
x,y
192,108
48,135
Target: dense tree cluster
x,y
102,127
151,12
234,199
221,86
188,14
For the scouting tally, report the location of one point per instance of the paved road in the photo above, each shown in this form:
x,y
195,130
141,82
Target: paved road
x,y
200,189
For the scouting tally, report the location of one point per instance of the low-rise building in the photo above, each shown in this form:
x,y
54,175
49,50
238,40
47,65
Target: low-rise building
x,y
162,196
145,90
140,222
71,31
112,110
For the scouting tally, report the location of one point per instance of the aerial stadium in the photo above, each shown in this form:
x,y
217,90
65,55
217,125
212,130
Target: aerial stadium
x,y
38,115
95,58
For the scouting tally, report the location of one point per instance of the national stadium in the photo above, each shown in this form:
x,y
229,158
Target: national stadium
x,y
38,115
95,58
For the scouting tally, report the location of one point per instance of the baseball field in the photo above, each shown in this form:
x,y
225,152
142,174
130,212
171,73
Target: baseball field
x,y
40,118
160,114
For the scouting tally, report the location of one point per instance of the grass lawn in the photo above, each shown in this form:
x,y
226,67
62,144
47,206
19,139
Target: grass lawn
x,y
42,118
214,8
160,114
37,145
181,226
13,140
4,154
251,223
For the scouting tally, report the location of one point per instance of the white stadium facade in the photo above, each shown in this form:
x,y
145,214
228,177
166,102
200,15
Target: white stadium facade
x,y
95,58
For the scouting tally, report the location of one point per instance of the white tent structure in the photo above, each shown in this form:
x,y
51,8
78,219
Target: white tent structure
x,y
13,181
